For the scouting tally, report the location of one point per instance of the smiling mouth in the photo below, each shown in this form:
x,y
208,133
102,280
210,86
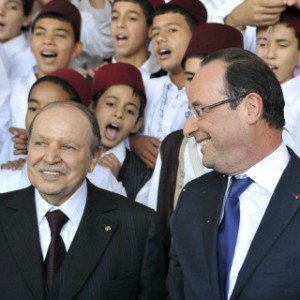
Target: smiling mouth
x,y
164,52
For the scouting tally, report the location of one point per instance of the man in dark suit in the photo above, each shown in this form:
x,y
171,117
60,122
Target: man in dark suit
x,y
236,113
111,248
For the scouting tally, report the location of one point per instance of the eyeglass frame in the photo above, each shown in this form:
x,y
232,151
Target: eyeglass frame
x,y
198,111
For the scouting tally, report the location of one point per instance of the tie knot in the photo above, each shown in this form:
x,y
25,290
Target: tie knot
x,y
56,220
238,186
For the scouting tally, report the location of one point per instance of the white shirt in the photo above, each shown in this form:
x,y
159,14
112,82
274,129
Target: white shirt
x,y
103,177
73,208
291,94
254,202
95,29
4,99
18,104
11,180
166,107
149,67
20,59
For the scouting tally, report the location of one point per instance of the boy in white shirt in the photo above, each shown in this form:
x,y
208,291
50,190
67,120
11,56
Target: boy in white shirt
x,y
119,101
279,47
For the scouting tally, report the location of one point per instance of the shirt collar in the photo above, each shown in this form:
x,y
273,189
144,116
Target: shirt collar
x,y
119,151
73,208
268,171
14,45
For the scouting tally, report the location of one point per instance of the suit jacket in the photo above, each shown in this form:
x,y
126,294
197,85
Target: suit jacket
x,y
116,252
271,269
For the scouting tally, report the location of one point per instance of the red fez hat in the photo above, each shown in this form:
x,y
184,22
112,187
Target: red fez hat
x,y
193,7
156,3
76,81
116,74
291,16
64,8
211,37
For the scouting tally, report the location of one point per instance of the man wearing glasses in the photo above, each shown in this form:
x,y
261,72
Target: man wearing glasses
x,y
236,230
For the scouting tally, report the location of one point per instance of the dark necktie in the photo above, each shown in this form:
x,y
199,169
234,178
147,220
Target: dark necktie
x,y
56,251
228,230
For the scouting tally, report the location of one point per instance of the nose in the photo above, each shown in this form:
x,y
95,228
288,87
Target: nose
x,y
48,39
2,9
270,51
118,113
190,127
120,22
51,155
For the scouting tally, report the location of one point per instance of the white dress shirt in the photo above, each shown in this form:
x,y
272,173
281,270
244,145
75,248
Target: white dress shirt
x,y
149,67
73,208
20,59
18,104
254,202
4,99
102,177
166,107
11,180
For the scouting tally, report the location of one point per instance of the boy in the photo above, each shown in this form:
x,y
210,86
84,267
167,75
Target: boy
x,y
171,31
279,47
55,40
130,24
15,18
119,101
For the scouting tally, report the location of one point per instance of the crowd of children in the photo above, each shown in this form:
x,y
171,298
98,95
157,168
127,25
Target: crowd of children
x,y
137,58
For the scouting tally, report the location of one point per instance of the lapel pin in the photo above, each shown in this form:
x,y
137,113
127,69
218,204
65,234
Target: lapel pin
x,y
297,197
107,227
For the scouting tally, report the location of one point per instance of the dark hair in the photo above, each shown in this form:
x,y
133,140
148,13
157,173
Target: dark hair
x,y
247,73
135,92
95,142
145,6
60,17
199,55
297,34
60,82
27,7
169,8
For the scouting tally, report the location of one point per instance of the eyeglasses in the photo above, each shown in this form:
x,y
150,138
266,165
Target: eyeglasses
x,y
198,111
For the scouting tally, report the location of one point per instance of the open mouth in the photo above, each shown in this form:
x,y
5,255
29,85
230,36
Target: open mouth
x,y
2,25
112,131
273,68
163,53
121,37
48,56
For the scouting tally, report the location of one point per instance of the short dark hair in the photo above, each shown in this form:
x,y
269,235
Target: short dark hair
x,y
145,6
247,73
60,17
27,7
95,142
60,82
169,8
135,92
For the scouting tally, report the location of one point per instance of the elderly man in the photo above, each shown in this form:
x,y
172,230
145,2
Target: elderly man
x,y
63,238
235,229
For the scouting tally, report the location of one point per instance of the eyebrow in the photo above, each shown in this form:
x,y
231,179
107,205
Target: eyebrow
x,y
166,25
32,100
55,29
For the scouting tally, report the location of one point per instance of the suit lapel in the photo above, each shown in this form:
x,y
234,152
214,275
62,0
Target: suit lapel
x,y
212,210
89,244
283,205
21,230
